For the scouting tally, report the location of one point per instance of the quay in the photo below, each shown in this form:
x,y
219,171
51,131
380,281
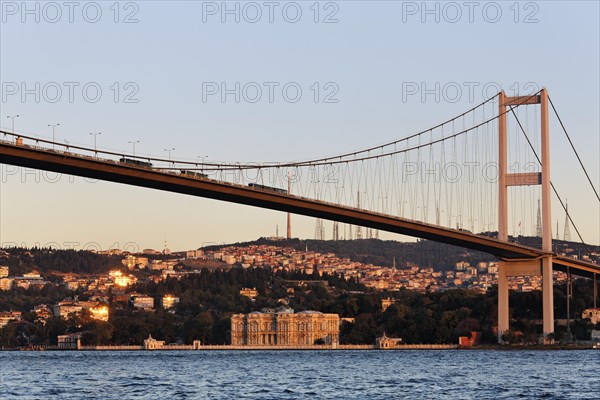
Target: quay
x,y
226,347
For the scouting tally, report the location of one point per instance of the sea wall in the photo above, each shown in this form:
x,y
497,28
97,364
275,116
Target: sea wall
x,y
226,347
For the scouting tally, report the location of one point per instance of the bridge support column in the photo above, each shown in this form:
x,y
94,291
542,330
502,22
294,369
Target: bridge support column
x,y
547,284
595,290
503,311
547,297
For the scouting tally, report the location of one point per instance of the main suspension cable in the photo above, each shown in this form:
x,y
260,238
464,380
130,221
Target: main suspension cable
x,y
551,184
574,150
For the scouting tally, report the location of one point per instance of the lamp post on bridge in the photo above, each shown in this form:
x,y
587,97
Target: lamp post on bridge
x,y
133,142
12,117
95,135
202,162
53,126
169,152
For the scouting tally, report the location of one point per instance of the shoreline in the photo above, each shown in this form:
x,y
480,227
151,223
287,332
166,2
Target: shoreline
x,y
314,348
237,348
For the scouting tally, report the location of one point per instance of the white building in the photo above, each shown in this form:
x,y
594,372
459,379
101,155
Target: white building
x,y
66,307
143,302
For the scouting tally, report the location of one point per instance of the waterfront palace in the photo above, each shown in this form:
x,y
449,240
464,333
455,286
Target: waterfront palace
x,y
284,327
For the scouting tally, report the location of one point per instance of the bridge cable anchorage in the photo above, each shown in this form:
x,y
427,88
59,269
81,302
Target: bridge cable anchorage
x,y
574,150
551,184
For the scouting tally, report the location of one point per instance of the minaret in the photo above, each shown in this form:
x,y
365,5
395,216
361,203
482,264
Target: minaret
x,y
567,233
557,237
358,232
538,226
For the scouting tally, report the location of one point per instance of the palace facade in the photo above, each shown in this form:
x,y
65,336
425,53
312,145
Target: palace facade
x,y
284,327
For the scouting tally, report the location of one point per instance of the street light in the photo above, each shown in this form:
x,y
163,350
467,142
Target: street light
x,y
133,143
202,161
95,136
169,151
53,130
12,117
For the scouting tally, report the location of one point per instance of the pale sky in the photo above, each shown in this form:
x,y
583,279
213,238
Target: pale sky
x,y
154,72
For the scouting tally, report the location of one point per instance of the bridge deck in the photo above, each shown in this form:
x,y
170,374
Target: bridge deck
x,y
112,171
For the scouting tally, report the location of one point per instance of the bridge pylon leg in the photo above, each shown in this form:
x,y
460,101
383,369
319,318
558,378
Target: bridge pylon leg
x,y
548,298
503,311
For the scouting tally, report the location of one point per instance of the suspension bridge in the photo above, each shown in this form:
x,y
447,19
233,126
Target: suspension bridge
x,y
448,183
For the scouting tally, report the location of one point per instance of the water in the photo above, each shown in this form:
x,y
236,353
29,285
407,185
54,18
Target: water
x,y
300,375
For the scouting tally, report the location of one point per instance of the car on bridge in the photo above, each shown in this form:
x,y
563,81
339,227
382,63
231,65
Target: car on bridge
x,y
267,188
137,163
193,174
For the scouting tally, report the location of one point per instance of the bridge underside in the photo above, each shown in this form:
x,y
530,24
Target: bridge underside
x,y
106,170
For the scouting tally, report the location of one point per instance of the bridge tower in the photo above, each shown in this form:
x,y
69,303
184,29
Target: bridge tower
x,y
516,267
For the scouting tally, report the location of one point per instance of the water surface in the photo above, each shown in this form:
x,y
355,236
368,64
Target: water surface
x,y
300,375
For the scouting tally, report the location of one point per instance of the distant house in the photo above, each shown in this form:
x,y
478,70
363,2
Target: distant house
x,y
70,341
143,302
42,312
30,280
6,283
593,314
169,301
250,293
8,316
66,307
385,342
153,344
385,303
